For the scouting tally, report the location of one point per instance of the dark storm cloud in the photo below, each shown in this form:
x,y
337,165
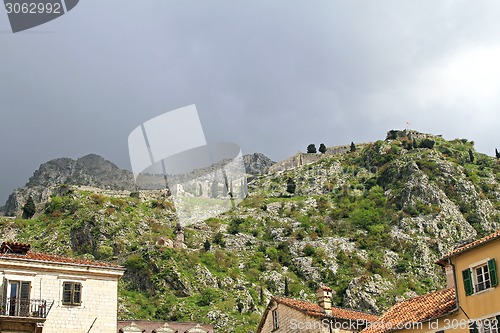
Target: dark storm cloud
x,y
272,76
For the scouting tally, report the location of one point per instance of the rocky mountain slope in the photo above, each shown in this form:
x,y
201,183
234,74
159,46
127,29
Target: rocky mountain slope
x,y
369,223
95,171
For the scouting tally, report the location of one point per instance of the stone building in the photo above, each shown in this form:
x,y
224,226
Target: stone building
x,y
53,294
290,315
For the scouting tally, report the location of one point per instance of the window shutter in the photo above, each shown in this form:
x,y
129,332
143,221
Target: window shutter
x,y
469,287
66,292
77,293
3,300
492,267
473,328
24,298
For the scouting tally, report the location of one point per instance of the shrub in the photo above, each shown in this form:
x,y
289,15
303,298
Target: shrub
x,y
309,250
208,297
272,253
427,143
105,251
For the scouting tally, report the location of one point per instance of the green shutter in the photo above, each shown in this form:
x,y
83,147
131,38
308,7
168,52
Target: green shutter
x,y
473,328
469,287
492,267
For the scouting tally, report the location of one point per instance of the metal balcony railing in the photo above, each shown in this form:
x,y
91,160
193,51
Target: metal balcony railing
x,y
16,307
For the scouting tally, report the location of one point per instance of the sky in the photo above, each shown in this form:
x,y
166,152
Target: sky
x,y
271,76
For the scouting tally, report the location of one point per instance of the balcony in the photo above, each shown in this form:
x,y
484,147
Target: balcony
x,y
33,308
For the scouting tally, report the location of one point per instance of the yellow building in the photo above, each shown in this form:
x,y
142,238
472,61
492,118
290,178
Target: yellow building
x,y
470,304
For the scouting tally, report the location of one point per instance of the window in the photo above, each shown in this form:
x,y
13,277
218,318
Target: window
x,y
480,278
275,320
72,293
489,325
16,298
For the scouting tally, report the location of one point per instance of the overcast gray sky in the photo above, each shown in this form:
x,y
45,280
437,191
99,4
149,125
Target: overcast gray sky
x,y
272,76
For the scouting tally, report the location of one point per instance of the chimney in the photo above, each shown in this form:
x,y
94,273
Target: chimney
x,y
325,299
450,278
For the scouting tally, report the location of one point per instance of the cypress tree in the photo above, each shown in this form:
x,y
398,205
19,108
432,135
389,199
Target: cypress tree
x,y
215,189
322,148
471,156
353,147
207,245
29,208
497,154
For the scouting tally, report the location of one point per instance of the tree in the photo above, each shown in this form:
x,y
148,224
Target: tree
x,y
290,186
497,154
287,289
29,208
218,239
311,149
322,148
215,189
471,156
353,147
207,245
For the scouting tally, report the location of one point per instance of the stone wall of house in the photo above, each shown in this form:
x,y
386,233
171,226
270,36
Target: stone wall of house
x,y
293,321
99,296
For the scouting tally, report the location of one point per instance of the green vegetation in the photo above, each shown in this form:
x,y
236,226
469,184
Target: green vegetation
x,y
380,211
29,208
311,149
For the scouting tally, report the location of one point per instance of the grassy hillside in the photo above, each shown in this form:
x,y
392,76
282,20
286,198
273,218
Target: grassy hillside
x,y
368,223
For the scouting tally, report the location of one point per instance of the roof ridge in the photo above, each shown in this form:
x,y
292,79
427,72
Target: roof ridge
x,y
468,246
56,258
333,306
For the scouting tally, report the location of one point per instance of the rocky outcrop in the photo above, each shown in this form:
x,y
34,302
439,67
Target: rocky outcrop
x,y
257,163
363,293
95,171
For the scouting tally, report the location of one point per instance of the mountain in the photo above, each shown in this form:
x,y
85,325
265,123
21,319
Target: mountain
x,y
369,222
95,171
90,170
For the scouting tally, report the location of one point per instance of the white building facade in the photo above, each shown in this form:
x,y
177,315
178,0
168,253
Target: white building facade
x,y
52,294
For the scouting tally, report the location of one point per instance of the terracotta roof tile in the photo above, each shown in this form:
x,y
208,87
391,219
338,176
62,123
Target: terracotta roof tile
x,y
314,309
470,246
56,259
415,310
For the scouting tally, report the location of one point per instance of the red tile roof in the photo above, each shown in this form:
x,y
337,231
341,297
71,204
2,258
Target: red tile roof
x,y
415,310
315,310
469,246
56,259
